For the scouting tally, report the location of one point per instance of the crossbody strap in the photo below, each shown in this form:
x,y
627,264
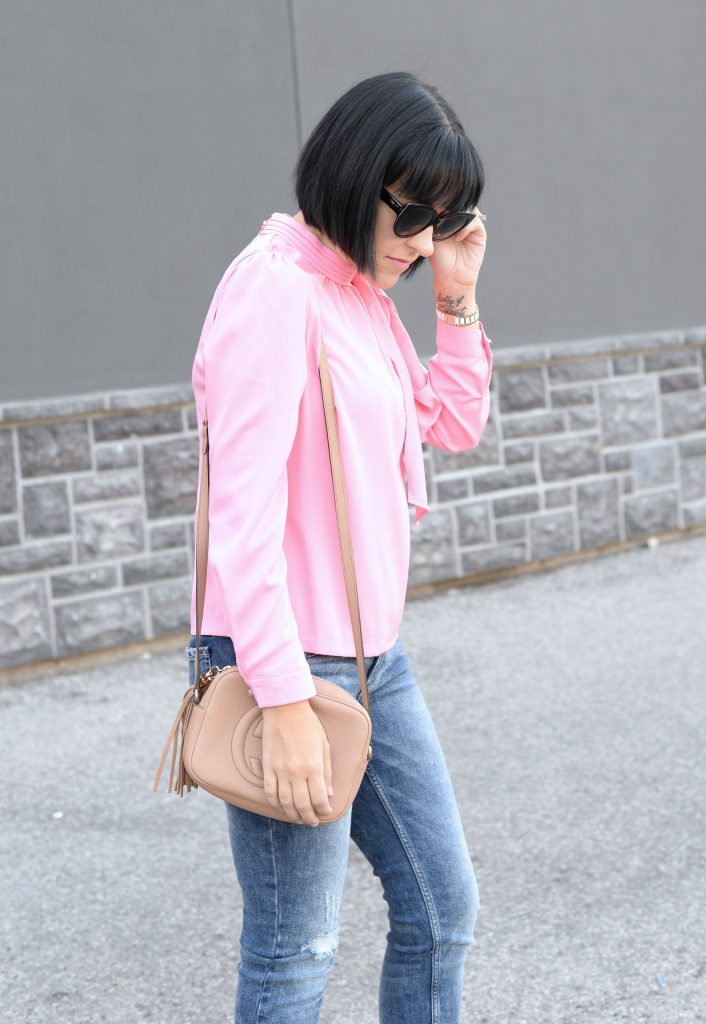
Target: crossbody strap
x,y
344,537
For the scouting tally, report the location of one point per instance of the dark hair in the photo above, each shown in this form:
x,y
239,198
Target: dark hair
x,y
390,129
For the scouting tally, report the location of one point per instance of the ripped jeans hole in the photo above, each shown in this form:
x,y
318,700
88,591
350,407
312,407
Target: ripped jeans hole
x,y
321,946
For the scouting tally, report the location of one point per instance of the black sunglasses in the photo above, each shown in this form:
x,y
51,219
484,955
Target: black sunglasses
x,y
414,217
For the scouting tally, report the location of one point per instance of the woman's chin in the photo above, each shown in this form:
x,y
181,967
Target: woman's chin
x,y
387,277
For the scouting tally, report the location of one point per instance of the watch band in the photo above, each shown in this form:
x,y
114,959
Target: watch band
x,y
458,321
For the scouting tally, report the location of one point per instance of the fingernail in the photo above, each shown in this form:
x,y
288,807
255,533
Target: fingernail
x,y
330,790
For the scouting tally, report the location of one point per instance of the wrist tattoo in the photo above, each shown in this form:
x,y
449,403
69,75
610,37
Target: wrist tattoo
x,y
452,306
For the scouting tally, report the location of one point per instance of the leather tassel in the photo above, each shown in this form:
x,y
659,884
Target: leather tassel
x,y
175,739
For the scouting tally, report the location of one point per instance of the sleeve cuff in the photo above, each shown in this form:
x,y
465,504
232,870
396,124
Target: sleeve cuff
x,y
284,689
462,340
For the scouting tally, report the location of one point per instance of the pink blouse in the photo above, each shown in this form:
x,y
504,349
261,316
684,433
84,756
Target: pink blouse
x,y
274,580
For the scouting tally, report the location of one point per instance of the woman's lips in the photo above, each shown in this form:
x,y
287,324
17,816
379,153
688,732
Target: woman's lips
x,y
400,263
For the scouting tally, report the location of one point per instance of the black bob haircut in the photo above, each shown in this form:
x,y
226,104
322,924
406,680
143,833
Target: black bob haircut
x,y
387,130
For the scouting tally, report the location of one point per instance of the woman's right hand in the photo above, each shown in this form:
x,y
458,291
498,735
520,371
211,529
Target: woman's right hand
x,y
296,761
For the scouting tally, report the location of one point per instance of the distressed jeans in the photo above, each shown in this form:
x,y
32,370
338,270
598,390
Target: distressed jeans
x,y
404,820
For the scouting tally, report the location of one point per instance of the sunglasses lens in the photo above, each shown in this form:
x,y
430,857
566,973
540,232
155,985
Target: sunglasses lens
x,y
412,220
451,224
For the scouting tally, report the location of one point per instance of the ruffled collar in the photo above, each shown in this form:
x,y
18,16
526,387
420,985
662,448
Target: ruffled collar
x,y
319,256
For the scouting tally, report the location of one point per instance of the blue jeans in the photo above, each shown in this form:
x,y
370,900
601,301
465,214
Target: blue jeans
x,y
406,822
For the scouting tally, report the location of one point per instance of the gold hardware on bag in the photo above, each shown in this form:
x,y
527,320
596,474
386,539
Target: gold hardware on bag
x,y
206,679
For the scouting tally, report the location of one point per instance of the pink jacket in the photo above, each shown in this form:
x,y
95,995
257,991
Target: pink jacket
x,y
274,581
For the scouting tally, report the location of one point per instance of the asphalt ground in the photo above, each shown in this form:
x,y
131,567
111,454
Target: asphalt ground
x,y
571,704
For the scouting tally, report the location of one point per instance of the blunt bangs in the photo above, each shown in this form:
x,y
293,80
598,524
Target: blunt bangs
x,y
392,130
442,170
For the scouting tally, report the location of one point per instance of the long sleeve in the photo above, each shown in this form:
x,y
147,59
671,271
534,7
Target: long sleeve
x,y
452,394
255,374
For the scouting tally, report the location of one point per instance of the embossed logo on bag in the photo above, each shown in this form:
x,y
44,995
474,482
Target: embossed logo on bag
x,y
246,747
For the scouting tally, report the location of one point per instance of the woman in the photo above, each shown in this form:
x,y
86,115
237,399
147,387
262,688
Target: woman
x,y
275,601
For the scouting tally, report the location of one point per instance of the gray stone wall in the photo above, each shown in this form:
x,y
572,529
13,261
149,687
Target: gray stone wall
x,y
588,444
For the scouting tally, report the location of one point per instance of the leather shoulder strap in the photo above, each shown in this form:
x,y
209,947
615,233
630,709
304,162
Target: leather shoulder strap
x,y
344,536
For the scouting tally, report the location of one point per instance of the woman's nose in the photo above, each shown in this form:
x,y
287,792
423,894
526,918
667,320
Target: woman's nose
x,y
423,242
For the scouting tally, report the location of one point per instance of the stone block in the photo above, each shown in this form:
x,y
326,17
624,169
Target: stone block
x,y
46,508
580,395
532,425
99,622
597,502
24,623
654,466
671,382
579,369
30,557
500,479
170,606
693,479
106,486
693,447
671,359
8,490
61,406
551,534
143,398
116,455
485,453
452,488
651,513
583,417
522,389
520,355
168,535
522,451
139,424
516,504
171,471
695,513
154,567
623,365
51,448
558,497
617,462
473,521
82,581
510,529
628,411
9,532
109,531
684,413
189,417
432,556
566,457
501,556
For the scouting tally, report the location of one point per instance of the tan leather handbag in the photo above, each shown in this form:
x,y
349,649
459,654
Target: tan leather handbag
x,y
219,718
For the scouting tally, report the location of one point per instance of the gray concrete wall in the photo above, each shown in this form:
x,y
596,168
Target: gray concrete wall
x,y
145,143
589,447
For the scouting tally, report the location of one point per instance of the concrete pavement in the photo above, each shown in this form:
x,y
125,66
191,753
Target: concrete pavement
x,y
572,707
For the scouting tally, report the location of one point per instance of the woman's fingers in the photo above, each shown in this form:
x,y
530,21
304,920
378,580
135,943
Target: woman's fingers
x,y
302,802
288,800
317,790
270,786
